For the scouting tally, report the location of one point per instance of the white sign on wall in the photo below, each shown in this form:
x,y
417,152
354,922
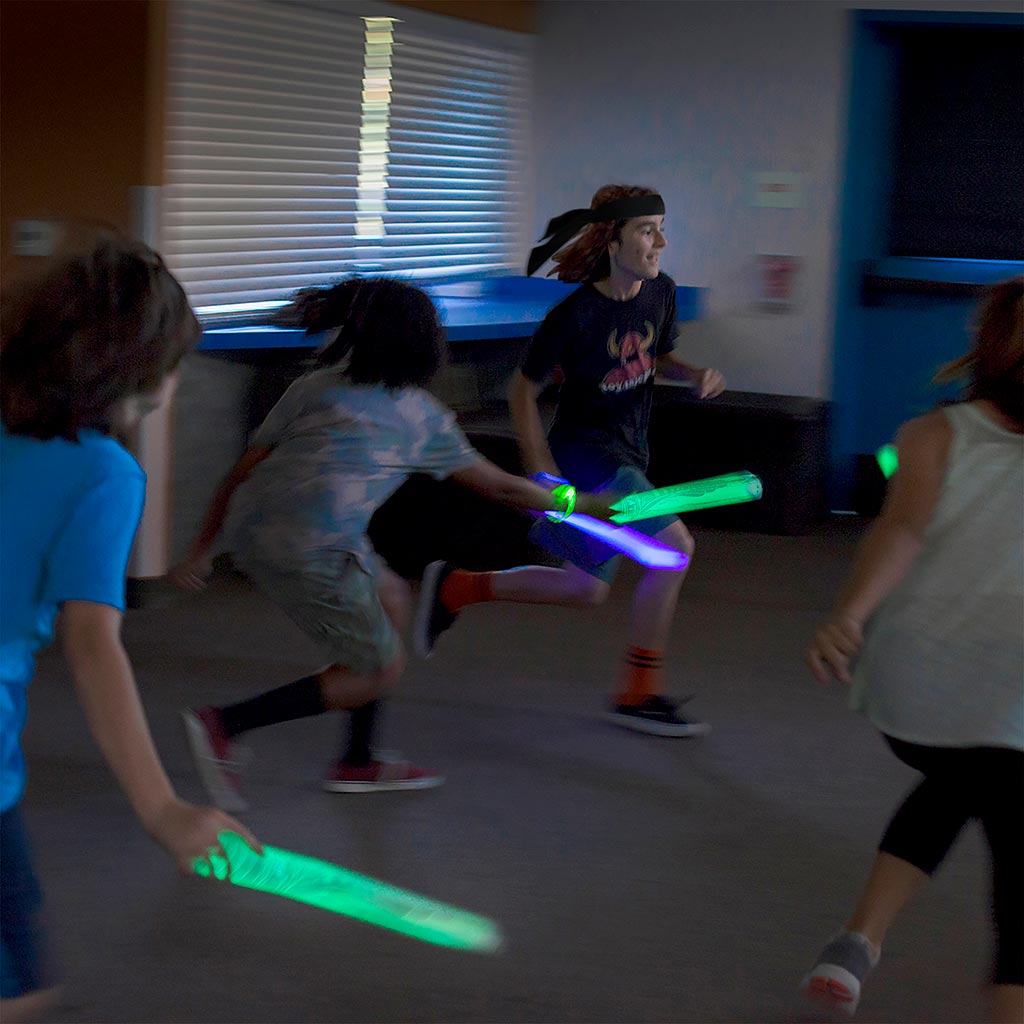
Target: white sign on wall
x,y
35,237
779,189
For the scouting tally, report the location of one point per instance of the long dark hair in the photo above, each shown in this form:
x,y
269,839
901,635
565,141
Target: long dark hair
x,y
99,324
388,332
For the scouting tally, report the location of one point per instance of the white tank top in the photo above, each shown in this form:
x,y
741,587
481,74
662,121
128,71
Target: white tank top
x,y
943,657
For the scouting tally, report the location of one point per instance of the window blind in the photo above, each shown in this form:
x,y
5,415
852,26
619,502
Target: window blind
x,y
262,149
455,147
306,141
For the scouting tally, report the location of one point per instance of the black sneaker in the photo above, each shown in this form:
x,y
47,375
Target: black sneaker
x,y
432,618
657,716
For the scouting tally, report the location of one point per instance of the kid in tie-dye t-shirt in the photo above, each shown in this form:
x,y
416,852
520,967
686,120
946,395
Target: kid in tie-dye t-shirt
x,y
295,511
338,451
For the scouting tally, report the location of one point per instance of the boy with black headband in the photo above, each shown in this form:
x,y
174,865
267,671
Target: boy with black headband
x,y
609,338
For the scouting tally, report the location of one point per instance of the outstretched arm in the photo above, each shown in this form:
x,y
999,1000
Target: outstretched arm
x,y
890,546
491,481
90,634
526,421
707,382
192,573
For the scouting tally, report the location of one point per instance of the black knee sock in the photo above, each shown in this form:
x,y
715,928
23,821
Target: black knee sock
x,y
361,729
294,700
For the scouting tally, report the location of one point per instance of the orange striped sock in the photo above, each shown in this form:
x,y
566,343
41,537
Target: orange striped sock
x,y
462,588
642,676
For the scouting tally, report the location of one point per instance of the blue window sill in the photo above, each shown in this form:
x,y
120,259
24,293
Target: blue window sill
x,y
909,275
471,310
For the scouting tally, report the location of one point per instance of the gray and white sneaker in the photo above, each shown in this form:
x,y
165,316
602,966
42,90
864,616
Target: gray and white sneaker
x,y
217,759
835,982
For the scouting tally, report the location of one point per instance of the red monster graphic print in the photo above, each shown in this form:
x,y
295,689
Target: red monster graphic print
x,y
636,364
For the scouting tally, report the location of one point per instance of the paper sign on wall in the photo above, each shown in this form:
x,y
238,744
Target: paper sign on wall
x,y
778,275
779,189
35,237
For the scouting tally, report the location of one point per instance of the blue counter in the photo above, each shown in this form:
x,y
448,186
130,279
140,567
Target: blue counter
x,y
471,310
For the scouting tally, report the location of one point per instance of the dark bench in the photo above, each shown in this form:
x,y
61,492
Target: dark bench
x,y
782,439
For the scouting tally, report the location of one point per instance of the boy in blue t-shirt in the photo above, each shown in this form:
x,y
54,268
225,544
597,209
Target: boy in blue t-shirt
x,y
87,349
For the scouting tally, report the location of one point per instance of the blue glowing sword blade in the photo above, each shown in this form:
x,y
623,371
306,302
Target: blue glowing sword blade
x,y
638,546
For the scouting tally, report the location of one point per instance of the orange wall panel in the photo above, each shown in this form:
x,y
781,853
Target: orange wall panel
x,y
73,115
517,15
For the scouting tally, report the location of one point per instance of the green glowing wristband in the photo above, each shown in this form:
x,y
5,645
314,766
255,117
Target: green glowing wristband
x,y
565,493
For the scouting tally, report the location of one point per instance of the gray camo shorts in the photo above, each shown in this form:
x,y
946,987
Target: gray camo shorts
x,y
334,601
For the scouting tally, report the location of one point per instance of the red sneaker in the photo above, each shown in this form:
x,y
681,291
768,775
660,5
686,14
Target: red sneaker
x,y
215,758
378,776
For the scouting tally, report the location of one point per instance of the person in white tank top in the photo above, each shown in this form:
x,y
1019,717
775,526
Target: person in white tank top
x,y
931,622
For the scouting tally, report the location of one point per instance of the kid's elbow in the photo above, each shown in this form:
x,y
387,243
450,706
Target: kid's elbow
x,y
89,634
522,392
515,386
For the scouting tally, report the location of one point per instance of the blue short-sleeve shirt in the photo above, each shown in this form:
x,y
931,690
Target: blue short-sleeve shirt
x,y
68,515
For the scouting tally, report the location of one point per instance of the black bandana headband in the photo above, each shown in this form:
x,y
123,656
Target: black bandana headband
x,y
563,229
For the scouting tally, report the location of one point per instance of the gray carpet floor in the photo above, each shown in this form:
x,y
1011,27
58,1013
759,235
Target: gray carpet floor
x,y
635,878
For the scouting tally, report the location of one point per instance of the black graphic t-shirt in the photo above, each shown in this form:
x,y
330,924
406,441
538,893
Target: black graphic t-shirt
x,y
607,350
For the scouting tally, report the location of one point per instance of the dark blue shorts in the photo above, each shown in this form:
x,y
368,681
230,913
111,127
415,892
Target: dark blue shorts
x,y
589,554
24,963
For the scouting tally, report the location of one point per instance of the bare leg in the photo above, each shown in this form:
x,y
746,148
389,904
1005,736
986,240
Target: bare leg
x,y
639,702
342,689
395,597
656,595
363,722
846,961
1007,1004
568,587
28,1007
890,886
361,768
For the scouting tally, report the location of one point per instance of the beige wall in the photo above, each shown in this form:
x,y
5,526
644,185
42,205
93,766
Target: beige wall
x,y
694,99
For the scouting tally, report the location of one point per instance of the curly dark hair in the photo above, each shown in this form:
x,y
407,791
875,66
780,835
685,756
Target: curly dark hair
x,y
99,324
586,258
994,367
387,330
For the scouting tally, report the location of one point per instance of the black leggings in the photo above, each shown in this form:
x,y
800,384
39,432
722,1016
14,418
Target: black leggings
x,y
986,783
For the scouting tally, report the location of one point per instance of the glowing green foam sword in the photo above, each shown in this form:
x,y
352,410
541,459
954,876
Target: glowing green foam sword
x,y
888,459
729,489
330,887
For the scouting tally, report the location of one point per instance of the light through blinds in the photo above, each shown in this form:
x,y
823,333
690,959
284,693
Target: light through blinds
x,y
309,141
